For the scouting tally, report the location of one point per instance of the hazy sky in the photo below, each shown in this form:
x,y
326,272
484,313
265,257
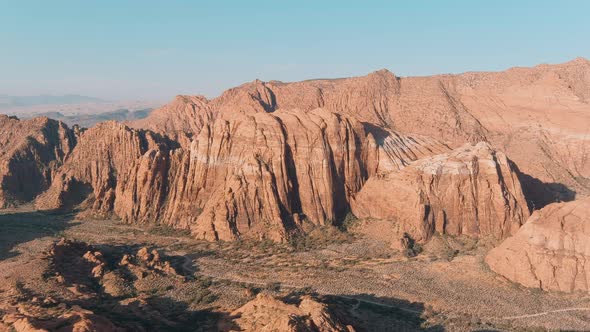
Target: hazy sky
x,y
156,49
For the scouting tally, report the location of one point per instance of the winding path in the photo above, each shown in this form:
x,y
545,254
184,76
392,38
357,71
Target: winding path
x,y
546,313
188,262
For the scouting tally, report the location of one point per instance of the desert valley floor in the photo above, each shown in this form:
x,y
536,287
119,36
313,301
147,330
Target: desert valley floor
x,y
446,286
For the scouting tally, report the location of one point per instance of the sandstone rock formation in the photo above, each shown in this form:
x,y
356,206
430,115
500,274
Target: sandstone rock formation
x,y
92,288
146,262
81,267
76,319
266,172
266,157
103,155
30,151
472,191
538,115
266,313
417,105
253,176
551,251
181,119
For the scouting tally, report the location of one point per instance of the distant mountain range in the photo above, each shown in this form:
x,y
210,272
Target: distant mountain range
x,y
7,102
75,109
89,120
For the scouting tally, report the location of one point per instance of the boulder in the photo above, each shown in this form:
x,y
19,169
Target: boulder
x,y
551,251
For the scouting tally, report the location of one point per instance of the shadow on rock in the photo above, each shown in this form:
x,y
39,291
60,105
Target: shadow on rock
x,y
157,313
539,194
134,287
373,313
367,312
20,227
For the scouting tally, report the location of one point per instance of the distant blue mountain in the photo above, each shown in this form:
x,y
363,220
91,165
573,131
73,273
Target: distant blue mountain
x,y
89,120
24,101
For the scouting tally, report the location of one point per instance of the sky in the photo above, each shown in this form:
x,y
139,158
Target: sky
x,y
154,50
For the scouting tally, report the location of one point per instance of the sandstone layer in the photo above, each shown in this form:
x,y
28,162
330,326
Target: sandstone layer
x,y
103,155
266,313
30,151
538,116
264,158
258,176
471,191
551,251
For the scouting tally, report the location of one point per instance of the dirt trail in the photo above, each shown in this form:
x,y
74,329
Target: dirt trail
x,y
546,313
188,263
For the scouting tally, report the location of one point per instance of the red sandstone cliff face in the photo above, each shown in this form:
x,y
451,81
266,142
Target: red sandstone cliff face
x,y
275,169
472,191
30,151
104,155
551,251
420,106
265,157
538,116
257,176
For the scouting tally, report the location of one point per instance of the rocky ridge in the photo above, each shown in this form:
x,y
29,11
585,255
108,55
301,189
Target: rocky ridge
x,y
30,152
265,313
257,176
265,158
537,115
472,190
551,251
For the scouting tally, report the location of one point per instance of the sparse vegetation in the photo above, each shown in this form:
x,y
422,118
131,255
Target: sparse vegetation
x,y
348,223
329,261
411,247
166,230
319,237
273,287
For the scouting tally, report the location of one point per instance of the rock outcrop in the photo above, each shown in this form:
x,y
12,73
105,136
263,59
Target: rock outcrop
x,y
30,152
266,313
538,116
257,176
471,191
104,155
551,251
265,157
422,106
264,174
94,288
76,319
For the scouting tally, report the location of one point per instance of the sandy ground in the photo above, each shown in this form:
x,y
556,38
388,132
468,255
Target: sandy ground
x,y
443,292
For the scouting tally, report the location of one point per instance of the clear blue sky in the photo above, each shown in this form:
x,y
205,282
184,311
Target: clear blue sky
x,y
145,49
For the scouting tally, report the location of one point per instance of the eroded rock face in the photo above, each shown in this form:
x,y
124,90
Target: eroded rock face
x,y
75,319
255,176
551,251
256,172
259,176
266,313
266,156
104,155
472,191
30,152
93,288
538,116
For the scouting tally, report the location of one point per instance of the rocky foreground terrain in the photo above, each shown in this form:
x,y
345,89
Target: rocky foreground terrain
x,y
391,183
